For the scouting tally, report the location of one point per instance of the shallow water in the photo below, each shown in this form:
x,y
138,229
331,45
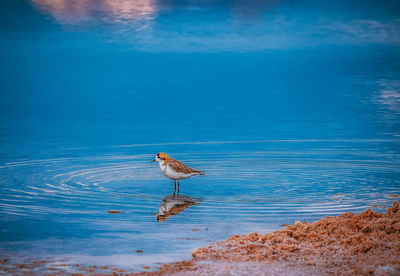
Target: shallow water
x,y
292,109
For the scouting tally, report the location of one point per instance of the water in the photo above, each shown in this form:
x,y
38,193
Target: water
x,y
292,108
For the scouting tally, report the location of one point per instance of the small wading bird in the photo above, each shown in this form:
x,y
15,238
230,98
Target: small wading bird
x,y
175,169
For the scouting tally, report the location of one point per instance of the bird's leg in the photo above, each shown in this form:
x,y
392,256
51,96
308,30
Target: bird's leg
x,y
178,186
175,187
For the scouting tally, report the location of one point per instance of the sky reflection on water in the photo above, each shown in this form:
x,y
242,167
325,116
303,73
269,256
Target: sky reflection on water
x,y
291,107
188,26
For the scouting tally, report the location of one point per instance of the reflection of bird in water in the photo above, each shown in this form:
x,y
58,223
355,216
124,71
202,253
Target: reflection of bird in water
x,y
175,169
172,205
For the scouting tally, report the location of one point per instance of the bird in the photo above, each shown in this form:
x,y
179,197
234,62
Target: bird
x,y
175,169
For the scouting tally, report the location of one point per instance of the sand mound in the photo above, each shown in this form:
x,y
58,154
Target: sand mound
x,y
366,243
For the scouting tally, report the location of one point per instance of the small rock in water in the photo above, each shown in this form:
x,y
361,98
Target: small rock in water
x,y
394,196
139,251
115,212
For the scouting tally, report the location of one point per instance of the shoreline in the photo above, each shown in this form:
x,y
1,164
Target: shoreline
x,y
364,244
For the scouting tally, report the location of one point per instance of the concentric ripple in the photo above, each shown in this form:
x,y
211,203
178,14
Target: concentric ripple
x,y
249,186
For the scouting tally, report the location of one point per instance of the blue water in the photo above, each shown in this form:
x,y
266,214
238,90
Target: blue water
x,y
292,108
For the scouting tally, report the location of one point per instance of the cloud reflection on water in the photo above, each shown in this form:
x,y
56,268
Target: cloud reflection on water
x,y
389,95
153,25
83,11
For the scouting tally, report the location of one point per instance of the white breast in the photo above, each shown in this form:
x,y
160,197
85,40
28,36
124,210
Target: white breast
x,y
170,173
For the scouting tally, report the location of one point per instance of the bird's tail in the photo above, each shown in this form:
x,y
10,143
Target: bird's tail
x,y
200,172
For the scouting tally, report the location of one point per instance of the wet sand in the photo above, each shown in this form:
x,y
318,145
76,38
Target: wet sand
x,y
349,244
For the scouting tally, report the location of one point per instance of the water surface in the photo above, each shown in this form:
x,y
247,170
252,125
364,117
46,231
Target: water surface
x,y
291,107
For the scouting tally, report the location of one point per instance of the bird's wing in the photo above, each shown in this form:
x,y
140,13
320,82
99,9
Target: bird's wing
x,y
179,166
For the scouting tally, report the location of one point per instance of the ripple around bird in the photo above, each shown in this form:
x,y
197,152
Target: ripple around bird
x,y
274,183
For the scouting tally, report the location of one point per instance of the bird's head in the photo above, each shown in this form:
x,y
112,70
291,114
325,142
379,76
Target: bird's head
x,y
161,157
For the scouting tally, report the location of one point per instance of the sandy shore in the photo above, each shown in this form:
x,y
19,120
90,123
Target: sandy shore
x,y
349,244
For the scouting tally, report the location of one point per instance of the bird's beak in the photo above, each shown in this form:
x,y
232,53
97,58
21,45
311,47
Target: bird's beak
x,y
154,160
